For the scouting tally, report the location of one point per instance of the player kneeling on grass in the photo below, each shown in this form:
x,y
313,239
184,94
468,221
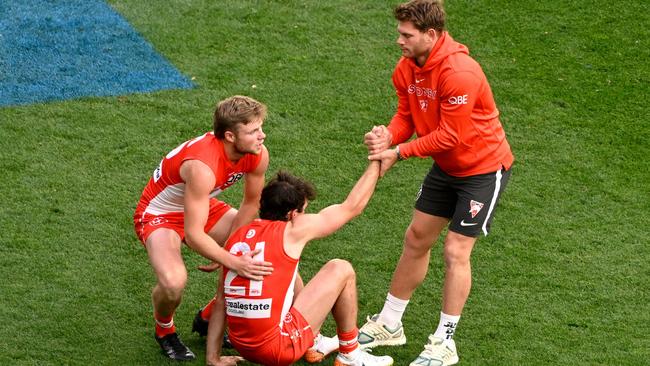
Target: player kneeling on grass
x,y
264,324
179,205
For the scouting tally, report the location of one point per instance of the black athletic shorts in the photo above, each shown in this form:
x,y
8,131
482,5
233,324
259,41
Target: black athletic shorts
x,y
468,201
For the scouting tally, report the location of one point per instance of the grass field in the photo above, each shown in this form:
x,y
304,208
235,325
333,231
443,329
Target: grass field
x,y
563,279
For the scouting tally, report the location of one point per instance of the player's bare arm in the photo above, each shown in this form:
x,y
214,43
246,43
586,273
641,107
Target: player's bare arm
x,y
253,185
199,181
388,158
312,226
216,328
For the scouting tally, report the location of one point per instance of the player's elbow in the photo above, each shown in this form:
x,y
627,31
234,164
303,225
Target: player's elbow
x,y
191,237
448,141
453,139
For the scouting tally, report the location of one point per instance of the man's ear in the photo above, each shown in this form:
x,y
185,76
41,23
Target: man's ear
x,y
229,136
292,214
433,35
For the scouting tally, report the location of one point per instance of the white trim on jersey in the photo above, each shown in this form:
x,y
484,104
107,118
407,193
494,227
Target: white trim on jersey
x,y
168,200
497,188
288,297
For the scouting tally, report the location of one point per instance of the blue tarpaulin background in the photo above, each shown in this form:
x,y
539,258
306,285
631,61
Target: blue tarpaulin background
x,y
65,49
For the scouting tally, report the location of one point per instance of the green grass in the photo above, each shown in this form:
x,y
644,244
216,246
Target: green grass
x,y
562,279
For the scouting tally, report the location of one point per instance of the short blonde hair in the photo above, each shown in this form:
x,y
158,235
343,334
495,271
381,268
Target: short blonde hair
x,y
234,111
424,14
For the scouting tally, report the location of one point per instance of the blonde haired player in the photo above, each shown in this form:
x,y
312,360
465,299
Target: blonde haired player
x,y
179,204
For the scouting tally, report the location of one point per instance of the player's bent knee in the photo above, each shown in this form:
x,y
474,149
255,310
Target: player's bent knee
x,y
168,293
455,256
418,234
173,283
414,245
458,251
341,267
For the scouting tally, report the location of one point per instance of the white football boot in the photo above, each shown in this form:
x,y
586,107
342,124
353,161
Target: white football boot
x,y
437,353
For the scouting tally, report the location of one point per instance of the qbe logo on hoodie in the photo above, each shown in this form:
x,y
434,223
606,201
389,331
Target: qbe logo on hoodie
x,y
461,99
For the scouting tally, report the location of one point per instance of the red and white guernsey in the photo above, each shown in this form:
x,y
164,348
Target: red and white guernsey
x,y
255,310
165,190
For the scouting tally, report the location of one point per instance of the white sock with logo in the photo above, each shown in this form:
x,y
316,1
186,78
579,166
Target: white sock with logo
x,y
446,326
393,310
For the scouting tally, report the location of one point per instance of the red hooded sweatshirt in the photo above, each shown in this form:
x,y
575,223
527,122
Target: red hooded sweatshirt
x,y
448,103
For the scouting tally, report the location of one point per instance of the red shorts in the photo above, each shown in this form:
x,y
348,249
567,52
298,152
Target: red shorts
x,y
285,347
146,223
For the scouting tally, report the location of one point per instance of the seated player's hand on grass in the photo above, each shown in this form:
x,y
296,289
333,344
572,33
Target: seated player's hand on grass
x,y
211,267
247,266
225,361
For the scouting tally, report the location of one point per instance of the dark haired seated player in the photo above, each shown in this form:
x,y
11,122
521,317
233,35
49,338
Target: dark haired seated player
x,y
265,323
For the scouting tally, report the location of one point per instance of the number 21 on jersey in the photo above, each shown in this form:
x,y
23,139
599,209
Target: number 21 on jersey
x,y
254,287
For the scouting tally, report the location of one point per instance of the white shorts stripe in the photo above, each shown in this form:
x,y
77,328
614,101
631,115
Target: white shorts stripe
x,y
497,188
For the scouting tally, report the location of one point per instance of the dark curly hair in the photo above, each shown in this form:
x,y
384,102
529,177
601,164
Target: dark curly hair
x,y
283,193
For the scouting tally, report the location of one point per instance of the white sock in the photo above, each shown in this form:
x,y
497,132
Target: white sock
x,y
354,354
317,340
446,326
393,310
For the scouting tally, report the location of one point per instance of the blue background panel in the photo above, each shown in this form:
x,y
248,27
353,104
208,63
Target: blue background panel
x,y
65,49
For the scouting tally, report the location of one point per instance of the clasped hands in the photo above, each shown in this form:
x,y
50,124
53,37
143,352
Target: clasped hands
x,y
378,141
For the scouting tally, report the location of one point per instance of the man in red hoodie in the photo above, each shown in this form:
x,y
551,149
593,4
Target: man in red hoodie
x,y
445,99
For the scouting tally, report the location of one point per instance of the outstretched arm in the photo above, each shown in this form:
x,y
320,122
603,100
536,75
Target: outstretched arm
x,y
332,218
387,158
